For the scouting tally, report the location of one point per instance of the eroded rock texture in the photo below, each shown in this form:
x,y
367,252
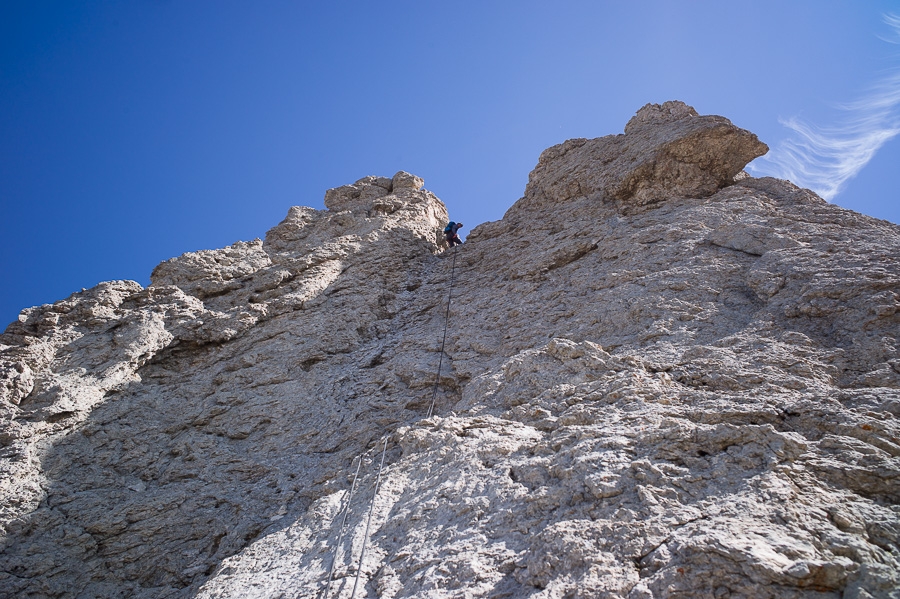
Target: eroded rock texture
x,y
662,378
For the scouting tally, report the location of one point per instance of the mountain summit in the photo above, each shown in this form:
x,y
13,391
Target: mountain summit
x,y
660,377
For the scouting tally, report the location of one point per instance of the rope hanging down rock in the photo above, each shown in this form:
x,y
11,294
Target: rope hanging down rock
x,y
341,531
362,553
437,378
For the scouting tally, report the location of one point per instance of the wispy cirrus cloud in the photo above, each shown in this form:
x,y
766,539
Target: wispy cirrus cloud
x,y
893,21
824,158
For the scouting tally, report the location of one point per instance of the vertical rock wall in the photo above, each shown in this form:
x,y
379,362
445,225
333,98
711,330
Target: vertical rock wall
x,y
662,378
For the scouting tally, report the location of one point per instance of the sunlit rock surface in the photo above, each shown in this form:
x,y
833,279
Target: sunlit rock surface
x,y
662,378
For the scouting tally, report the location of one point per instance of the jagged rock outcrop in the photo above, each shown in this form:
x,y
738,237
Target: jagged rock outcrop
x,y
661,378
667,150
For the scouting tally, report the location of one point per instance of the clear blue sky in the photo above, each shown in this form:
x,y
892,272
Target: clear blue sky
x,y
131,132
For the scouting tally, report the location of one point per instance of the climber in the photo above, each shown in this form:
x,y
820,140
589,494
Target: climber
x,y
450,233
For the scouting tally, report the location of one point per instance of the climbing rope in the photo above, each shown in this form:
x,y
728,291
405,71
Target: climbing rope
x,y
341,532
362,553
437,378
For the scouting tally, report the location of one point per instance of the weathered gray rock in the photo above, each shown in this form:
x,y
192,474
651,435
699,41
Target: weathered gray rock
x,y
667,151
681,382
404,180
209,273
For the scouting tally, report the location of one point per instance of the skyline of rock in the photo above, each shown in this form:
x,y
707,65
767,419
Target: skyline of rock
x,y
662,378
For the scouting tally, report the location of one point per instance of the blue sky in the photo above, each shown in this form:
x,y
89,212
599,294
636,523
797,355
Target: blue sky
x,y
131,132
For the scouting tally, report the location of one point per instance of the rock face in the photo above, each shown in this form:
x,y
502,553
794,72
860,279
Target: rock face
x,y
666,150
680,381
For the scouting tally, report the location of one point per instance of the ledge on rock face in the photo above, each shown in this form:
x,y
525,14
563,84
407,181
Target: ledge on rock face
x,y
668,150
211,272
360,195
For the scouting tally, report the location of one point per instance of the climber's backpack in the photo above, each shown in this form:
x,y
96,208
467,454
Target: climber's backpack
x,y
449,228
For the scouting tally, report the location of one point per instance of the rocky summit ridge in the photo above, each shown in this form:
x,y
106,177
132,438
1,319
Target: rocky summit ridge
x,y
661,378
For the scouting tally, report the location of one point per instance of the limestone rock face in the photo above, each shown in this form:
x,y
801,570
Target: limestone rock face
x,y
680,382
363,194
209,273
667,151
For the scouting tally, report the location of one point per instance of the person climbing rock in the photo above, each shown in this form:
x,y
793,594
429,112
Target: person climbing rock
x,y
450,232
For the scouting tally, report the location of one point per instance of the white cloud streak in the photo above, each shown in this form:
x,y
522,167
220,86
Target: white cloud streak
x,y
824,158
893,21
